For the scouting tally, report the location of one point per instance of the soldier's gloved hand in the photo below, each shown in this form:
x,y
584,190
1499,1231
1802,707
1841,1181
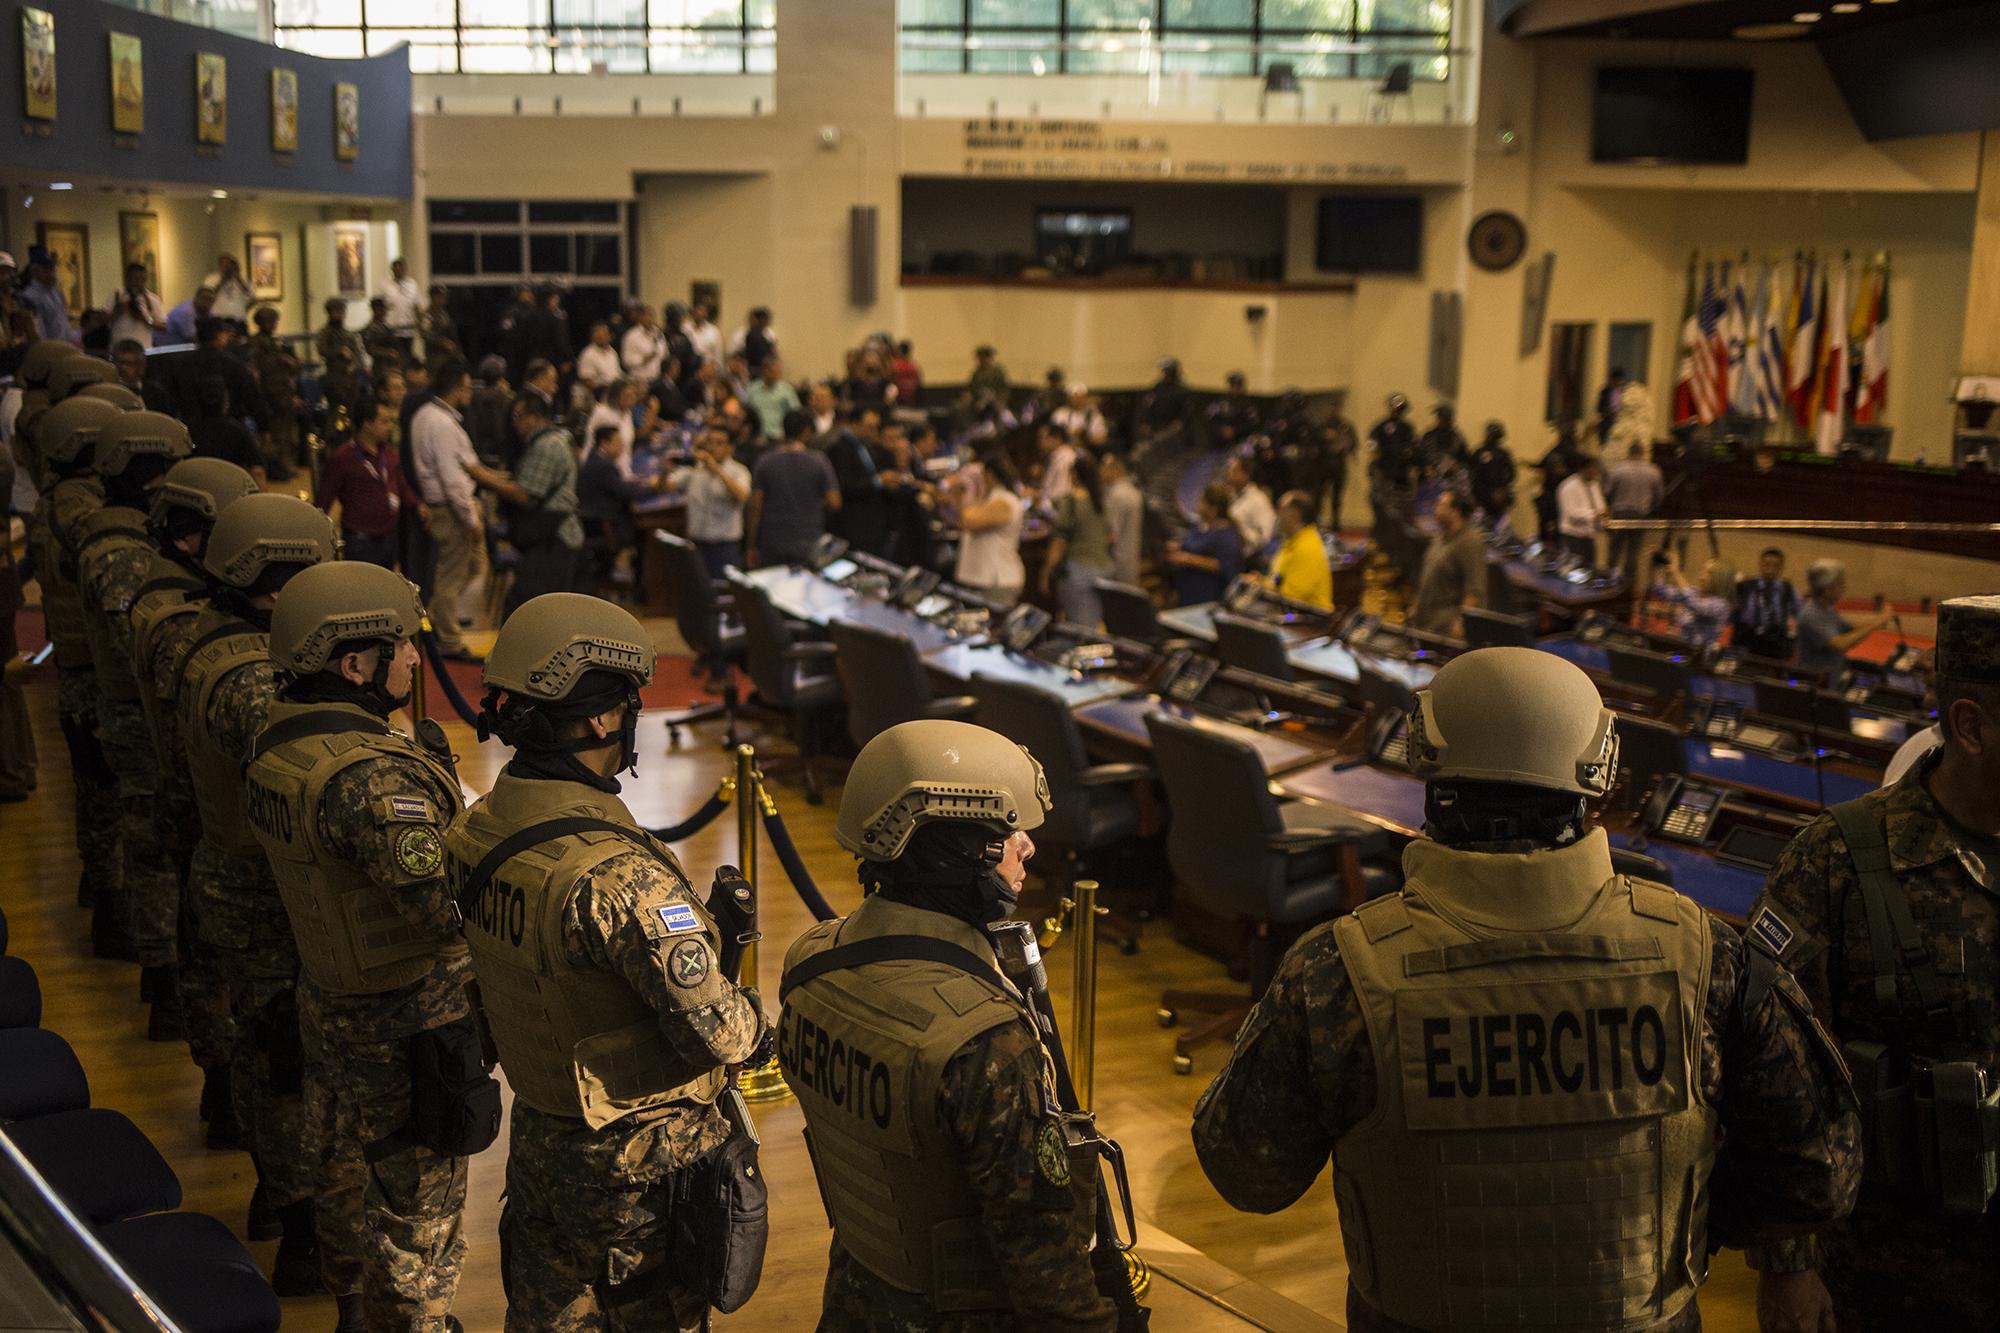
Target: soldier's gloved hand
x,y
766,1049
1793,1303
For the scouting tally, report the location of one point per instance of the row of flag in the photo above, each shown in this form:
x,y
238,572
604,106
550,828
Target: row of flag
x,y
1804,342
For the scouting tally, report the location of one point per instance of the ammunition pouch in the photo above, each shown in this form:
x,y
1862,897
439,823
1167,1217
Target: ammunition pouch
x,y
722,1216
1930,1128
454,1099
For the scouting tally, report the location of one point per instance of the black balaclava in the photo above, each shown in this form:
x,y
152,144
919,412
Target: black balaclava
x,y
329,686
1502,816
239,602
950,866
532,727
174,522
132,487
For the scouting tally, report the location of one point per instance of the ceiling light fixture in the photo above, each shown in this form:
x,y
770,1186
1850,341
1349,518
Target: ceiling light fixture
x,y
218,194
61,185
1848,8
1809,16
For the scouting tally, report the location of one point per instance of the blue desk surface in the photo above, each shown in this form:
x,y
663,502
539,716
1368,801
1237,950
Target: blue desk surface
x,y
1593,658
1198,622
965,660
804,595
1745,768
1716,885
1334,659
1127,718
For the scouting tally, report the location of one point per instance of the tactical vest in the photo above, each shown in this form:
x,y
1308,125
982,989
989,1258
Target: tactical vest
x,y
105,533
352,940
61,509
865,1049
1538,1151
574,1041
223,644
161,599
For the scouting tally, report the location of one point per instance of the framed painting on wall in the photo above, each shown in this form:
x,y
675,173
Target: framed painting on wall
x,y
139,243
346,121
128,84
350,259
211,99
68,244
284,111
38,64
264,263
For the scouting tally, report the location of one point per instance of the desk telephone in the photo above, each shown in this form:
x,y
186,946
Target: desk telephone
x,y
1722,720
1681,810
1184,675
1020,627
1389,740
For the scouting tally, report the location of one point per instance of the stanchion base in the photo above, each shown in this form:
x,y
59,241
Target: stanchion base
x,y
1139,1271
763,1084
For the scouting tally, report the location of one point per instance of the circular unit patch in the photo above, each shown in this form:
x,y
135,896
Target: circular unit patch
x,y
1052,1154
418,853
687,964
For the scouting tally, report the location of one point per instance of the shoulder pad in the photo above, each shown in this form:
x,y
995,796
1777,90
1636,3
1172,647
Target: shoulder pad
x,y
1383,917
1655,901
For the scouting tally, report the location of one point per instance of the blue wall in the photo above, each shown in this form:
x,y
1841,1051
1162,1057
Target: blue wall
x,y
81,143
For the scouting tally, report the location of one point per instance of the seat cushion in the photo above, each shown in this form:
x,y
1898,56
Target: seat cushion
x,y
102,1164
20,994
39,1075
196,1271
815,691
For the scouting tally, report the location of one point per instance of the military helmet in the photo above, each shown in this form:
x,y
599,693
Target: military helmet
x,y
75,372
133,435
71,427
117,395
40,359
1514,715
920,772
259,531
550,641
203,486
328,605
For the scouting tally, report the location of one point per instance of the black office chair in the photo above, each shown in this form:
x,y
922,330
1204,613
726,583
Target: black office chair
x,y
1129,612
1092,808
1496,629
706,616
1638,865
1241,856
1251,645
793,676
886,682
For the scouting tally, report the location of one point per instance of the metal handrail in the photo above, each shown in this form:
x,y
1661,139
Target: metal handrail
x,y
63,1242
1800,525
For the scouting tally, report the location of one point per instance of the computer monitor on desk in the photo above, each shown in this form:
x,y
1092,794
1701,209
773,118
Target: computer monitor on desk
x,y
1655,673
1495,629
1647,752
1803,703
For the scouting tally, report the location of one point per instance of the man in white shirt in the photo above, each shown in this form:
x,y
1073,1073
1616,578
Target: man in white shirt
x,y
644,347
136,313
1082,419
1255,517
404,302
1058,462
233,296
1581,511
705,336
597,364
448,475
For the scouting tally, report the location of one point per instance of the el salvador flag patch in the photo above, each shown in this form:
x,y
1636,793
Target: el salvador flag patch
x,y
679,918
1769,928
409,807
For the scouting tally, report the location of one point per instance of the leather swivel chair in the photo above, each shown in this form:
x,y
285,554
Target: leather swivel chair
x,y
1251,645
791,675
886,682
706,615
1129,612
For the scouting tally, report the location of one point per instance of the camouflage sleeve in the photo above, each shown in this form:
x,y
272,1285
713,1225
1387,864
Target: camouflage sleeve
x,y
1301,1075
387,818
633,917
1801,890
1790,1160
995,1105
237,708
116,584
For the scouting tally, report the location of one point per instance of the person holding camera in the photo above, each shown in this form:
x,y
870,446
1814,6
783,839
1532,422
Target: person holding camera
x,y
136,313
717,488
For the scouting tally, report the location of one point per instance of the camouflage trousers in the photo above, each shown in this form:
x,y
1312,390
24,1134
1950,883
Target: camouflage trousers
x,y
388,1229
152,880
244,938
93,784
204,975
585,1238
856,1301
1893,1267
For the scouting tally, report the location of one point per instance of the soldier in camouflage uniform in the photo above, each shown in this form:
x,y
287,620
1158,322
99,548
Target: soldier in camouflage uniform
x,y
1533,1076
339,354
277,373
936,1132
1888,909
241,932
184,510
598,974
114,559
384,348
352,814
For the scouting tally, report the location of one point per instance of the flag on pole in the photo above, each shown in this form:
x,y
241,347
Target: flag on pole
x,y
1857,336
1684,396
1805,346
1833,369
1771,344
1715,337
1736,337
1873,397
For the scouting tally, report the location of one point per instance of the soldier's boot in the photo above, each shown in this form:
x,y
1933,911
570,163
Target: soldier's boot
x,y
265,1221
295,1272
218,1111
168,1020
351,1320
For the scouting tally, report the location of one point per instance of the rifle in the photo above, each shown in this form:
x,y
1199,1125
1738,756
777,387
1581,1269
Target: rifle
x,y
734,906
1021,959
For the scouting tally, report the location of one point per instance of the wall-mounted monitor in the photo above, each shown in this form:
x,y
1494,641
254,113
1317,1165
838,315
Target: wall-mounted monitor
x,y
1370,233
1671,115
1083,240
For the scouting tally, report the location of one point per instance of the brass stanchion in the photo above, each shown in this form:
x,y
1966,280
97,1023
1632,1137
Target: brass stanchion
x,y
1084,912
765,1083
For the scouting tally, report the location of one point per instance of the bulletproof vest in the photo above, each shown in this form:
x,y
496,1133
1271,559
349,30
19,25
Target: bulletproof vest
x,y
106,533
574,1041
222,645
351,938
162,598
1538,1150
865,1050
27,429
61,509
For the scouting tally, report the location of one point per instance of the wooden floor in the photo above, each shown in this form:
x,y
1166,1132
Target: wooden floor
x,y
1292,1262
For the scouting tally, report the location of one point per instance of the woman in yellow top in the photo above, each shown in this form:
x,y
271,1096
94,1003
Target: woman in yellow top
x,y
1300,569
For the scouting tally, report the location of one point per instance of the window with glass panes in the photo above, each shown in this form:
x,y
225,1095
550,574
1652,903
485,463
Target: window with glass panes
x,y
1319,39
540,36
483,249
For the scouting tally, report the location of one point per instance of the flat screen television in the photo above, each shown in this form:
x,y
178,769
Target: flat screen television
x,y
1370,233
1671,115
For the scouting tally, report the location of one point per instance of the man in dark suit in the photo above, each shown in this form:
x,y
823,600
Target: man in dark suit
x,y
859,467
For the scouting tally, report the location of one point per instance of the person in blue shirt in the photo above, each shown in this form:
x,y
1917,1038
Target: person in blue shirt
x,y
1208,555
43,298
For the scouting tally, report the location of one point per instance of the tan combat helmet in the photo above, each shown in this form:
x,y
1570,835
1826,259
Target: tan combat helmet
x,y
68,431
550,641
918,772
202,487
134,435
260,531
328,605
1514,715
40,359
117,395
72,374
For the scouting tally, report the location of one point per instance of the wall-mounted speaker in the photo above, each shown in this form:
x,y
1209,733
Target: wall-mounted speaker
x,y
861,221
